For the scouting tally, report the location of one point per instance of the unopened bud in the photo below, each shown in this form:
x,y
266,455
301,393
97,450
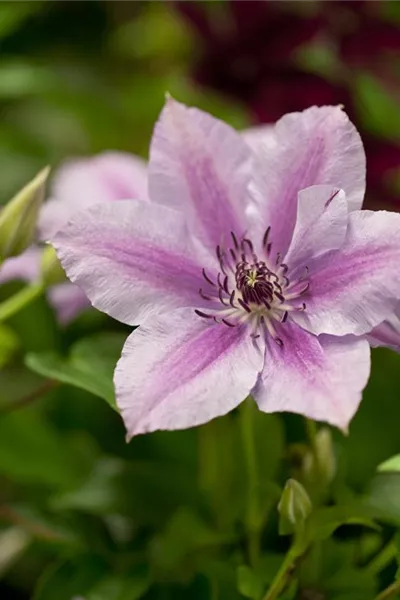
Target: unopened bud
x,y
294,507
320,464
52,272
18,218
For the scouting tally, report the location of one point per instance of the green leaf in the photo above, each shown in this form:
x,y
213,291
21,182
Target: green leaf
x,y
130,587
392,465
250,585
12,15
90,365
324,521
377,105
383,496
185,536
71,578
374,420
32,452
98,494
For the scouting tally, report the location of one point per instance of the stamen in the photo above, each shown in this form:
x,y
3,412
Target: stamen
x,y
227,323
235,242
244,305
266,236
207,278
203,295
222,298
202,314
256,293
327,203
248,242
225,285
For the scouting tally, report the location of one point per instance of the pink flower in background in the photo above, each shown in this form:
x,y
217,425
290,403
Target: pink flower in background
x,y
76,185
252,270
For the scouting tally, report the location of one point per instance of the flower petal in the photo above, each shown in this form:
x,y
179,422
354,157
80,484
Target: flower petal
x,y
178,370
317,146
387,333
258,136
201,166
356,288
25,267
83,182
68,301
321,224
131,258
320,378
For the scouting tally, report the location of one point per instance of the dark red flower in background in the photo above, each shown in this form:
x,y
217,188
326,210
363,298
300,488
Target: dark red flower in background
x,y
250,50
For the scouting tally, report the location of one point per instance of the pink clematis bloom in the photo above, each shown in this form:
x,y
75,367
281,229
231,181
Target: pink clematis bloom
x,y
78,184
251,271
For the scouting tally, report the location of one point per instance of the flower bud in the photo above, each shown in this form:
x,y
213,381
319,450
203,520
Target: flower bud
x,y
294,507
320,465
18,218
51,270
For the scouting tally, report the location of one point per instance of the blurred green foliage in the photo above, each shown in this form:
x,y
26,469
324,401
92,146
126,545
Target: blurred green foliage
x,y
83,515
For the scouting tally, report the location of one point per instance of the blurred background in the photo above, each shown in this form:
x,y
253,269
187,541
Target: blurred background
x,y
81,512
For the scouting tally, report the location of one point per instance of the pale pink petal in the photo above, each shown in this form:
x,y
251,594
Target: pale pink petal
x,y
319,377
317,146
321,224
387,333
179,370
203,167
356,288
131,258
261,135
25,267
68,301
86,181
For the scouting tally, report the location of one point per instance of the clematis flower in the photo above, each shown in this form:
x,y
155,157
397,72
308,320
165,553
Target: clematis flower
x,y
77,184
251,271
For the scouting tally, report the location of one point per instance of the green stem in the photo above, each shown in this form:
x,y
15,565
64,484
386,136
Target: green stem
x,y
20,300
383,558
252,509
283,575
390,592
312,430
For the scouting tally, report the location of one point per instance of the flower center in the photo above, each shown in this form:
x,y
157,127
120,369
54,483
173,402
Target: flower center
x,y
251,291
